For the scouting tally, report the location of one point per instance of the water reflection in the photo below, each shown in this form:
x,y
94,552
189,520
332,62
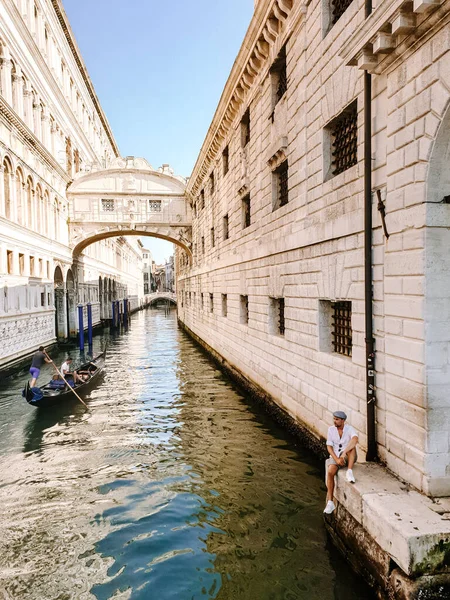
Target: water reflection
x,y
171,486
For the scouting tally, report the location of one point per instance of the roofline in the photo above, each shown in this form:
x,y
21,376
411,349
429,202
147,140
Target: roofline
x,y
70,37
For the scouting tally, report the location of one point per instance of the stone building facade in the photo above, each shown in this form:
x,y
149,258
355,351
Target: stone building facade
x,y
52,128
275,285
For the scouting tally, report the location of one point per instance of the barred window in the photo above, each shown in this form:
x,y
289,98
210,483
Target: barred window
x,y
338,8
279,77
225,228
344,140
224,305
244,309
203,245
276,316
212,183
226,160
201,300
211,303
202,199
342,327
245,128
108,205
246,216
154,205
213,237
281,185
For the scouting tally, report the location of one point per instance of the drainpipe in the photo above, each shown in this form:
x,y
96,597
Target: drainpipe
x,y
368,286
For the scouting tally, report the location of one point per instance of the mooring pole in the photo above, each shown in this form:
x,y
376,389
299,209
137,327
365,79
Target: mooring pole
x,y
125,310
81,326
113,314
89,319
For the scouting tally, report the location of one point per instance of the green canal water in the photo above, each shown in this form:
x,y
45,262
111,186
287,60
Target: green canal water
x,y
173,485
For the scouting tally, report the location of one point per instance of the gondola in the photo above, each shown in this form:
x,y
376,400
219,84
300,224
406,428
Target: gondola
x,y
57,391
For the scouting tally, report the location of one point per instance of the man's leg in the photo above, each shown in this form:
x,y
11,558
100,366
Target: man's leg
x,y
332,470
351,457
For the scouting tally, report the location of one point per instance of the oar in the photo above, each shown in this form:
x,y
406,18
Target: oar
x,y
63,378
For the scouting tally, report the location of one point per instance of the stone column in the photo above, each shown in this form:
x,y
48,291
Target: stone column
x,y
45,124
17,92
28,105
2,194
37,117
61,313
5,74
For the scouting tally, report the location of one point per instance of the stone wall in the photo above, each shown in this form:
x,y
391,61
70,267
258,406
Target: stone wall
x,y
309,252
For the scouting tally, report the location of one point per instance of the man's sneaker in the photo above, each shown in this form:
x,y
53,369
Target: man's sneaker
x,y
349,476
330,507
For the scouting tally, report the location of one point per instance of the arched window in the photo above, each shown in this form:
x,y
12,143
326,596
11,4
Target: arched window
x,y
20,193
46,211
7,172
39,209
55,219
30,194
13,85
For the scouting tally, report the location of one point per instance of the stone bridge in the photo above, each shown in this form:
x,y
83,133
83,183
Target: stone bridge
x,y
128,198
153,298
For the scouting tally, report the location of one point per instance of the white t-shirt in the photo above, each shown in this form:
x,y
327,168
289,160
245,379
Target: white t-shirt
x,y
340,443
65,368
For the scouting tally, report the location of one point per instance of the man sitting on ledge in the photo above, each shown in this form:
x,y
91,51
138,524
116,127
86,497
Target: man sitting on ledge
x,y
341,444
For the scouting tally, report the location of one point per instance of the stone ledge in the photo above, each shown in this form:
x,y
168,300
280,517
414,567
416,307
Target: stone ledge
x,y
411,528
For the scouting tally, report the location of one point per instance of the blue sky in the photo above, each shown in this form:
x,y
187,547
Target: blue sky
x,y
159,70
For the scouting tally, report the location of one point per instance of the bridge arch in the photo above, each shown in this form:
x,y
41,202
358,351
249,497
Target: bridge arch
x,y
128,198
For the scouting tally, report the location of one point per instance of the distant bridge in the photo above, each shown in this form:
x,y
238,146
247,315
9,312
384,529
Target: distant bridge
x,y
160,296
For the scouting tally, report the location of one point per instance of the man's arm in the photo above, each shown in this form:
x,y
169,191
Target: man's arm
x,y
332,453
352,444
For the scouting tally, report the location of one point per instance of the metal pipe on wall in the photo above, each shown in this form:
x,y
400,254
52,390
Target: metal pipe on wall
x,y
368,280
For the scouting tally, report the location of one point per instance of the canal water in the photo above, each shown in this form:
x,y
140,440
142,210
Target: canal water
x,y
172,486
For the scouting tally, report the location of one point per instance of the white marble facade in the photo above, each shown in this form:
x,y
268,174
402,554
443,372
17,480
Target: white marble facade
x,y
259,252
52,128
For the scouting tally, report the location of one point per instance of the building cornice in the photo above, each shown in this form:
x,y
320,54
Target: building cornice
x,y
390,31
10,117
267,25
64,22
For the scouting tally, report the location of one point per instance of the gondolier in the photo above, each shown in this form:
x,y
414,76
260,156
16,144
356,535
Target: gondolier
x,y
39,358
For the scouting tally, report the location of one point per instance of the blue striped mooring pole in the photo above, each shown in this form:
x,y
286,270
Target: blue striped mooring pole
x,y
81,326
89,318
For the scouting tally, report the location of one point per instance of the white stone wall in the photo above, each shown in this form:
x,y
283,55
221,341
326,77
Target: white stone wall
x,y
311,250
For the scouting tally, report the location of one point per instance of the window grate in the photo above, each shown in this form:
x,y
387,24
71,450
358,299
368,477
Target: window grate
x,y
342,327
226,160
281,321
108,206
283,183
338,8
226,232
154,205
245,128
282,83
246,211
345,140
244,310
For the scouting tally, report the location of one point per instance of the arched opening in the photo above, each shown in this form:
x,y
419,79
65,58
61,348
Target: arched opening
x,y
20,193
437,297
7,183
71,305
60,305
30,194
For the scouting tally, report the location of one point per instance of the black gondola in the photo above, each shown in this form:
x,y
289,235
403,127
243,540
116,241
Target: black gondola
x,y
56,391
